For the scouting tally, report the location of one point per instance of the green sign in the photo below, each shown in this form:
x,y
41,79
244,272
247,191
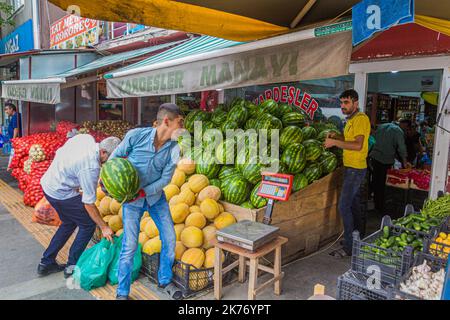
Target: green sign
x,y
333,28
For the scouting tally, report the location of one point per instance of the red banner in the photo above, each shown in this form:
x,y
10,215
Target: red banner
x,y
73,32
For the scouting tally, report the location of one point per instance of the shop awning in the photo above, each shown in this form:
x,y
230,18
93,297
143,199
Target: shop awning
x,y
192,67
47,90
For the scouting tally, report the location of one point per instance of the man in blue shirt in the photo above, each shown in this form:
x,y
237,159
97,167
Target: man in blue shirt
x,y
154,152
14,127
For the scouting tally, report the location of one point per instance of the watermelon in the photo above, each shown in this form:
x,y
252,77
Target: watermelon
x,y
120,179
300,182
219,117
236,190
283,109
185,142
326,154
323,134
290,135
238,114
237,102
293,119
195,153
309,133
229,125
227,172
242,158
247,205
206,125
225,152
328,164
257,201
208,167
250,124
311,142
313,172
313,152
269,107
252,171
188,121
215,182
252,109
197,116
294,158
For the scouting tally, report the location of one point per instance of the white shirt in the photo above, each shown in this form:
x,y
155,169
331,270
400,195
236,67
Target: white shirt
x,y
76,165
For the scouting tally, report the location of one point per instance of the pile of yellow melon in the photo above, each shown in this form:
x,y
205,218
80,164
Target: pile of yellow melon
x,y
111,211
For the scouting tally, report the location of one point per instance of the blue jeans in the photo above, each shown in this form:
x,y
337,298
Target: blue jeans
x,y
73,214
350,205
132,215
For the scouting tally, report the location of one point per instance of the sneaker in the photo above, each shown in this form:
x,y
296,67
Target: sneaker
x,y
122,298
44,270
171,290
68,271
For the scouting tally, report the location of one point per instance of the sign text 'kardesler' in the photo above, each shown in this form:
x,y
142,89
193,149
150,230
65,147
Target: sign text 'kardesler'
x,y
316,58
292,96
41,93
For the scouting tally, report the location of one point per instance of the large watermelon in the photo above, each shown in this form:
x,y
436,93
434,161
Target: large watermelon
x,y
309,133
313,172
269,106
252,109
229,125
238,114
185,142
120,179
219,117
236,190
290,135
324,133
215,182
247,205
313,151
250,124
309,142
294,158
252,171
257,201
328,164
300,182
188,121
225,152
201,116
208,167
283,109
227,172
293,119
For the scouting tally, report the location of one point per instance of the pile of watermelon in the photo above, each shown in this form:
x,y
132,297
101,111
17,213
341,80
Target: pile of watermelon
x,y
301,151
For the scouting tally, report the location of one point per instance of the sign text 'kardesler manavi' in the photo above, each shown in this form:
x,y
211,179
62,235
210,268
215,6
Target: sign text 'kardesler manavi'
x,y
41,93
316,58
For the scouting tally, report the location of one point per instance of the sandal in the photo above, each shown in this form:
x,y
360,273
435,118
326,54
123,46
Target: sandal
x,y
172,291
339,253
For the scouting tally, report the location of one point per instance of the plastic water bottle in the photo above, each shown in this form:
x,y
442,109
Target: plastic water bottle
x,y
319,293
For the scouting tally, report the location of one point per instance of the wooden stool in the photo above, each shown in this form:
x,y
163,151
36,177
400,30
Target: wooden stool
x,y
254,266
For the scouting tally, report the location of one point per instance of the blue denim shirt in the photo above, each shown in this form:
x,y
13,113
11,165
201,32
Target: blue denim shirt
x,y
155,168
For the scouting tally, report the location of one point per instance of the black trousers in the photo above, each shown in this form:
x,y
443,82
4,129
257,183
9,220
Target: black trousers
x,y
379,183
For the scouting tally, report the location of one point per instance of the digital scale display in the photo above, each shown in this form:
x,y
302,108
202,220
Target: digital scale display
x,y
276,186
276,179
271,190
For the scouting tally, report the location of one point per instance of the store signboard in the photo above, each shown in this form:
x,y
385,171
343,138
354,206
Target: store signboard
x,y
20,40
72,32
323,57
371,16
333,28
48,93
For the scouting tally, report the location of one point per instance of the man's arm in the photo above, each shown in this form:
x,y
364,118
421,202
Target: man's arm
x,y
88,183
401,147
16,133
356,145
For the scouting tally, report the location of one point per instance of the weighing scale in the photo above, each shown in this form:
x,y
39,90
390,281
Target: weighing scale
x,y
252,235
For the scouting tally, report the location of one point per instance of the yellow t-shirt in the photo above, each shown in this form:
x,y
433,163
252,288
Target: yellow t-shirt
x,y
358,125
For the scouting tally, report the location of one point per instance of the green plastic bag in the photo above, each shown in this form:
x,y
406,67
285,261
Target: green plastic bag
x,y
91,270
114,267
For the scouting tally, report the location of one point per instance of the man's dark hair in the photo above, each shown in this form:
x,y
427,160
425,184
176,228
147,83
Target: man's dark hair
x,y
11,105
407,122
170,110
352,94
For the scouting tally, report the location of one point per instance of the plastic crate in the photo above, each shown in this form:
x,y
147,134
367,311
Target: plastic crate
x,y
435,263
391,265
150,266
354,286
439,249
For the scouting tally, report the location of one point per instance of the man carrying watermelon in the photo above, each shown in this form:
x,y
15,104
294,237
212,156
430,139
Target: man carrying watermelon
x,y
355,143
76,166
154,153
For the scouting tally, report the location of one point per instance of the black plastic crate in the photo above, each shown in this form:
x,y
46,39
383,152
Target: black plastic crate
x,y
354,286
368,257
435,263
439,249
150,266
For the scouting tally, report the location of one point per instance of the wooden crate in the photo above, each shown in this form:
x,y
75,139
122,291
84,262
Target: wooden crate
x,y
310,219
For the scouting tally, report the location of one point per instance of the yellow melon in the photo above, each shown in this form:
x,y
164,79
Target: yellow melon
x,y
178,178
196,219
107,218
178,228
184,187
143,238
194,257
104,206
97,203
119,233
100,194
198,182
221,208
187,196
198,202
209,234
186,165
152,246
224,220
192,237
193,209
150,229
210,208
143,223
170,191
114,206
174,200
209,258
179,250
211,192
115,223
121,213
179,212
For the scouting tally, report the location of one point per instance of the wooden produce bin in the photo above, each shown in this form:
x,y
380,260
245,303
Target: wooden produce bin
x,y
310,219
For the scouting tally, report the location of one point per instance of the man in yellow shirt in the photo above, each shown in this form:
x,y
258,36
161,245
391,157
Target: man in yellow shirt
x,y
355,144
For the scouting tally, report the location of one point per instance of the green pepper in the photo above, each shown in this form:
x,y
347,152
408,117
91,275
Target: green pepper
x,y
410,225
397,239
402,243
419,217
386,232
417,226
391,241
404,237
